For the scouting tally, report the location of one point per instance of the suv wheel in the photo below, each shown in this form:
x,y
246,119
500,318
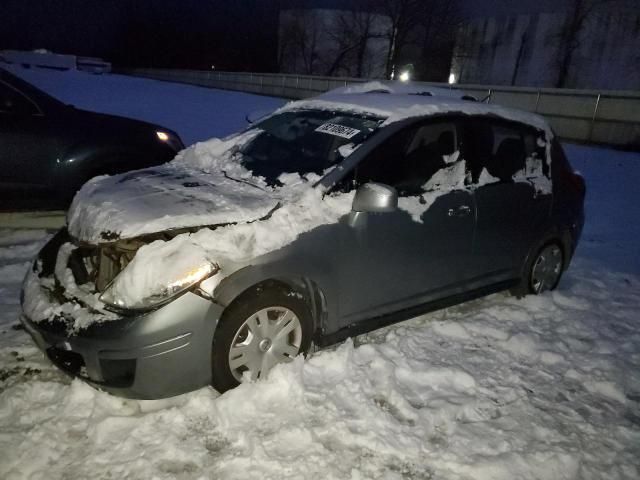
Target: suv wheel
x,y
257,332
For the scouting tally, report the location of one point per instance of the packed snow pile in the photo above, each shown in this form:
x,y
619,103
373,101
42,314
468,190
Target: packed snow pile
x,y
227,246
39,308
202,186
495,389
205,186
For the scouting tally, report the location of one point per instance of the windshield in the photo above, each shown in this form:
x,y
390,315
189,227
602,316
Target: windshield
x,y
304,142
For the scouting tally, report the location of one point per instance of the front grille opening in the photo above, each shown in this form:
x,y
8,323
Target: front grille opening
x,y
118,373
99,265
70,362
49,252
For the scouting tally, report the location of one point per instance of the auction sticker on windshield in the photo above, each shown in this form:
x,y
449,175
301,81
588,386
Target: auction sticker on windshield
x,y
337,130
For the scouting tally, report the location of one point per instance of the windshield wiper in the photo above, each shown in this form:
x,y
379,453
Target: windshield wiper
x,y
240,180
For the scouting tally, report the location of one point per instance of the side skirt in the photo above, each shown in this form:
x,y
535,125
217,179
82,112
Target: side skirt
x,y
365,326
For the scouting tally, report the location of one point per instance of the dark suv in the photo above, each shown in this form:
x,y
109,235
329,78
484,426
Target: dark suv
x,y
49,149
329,218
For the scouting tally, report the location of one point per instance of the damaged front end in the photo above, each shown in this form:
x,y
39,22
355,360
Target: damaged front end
x,y
111,348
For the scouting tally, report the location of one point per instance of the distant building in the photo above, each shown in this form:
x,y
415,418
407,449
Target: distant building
x,y
549,50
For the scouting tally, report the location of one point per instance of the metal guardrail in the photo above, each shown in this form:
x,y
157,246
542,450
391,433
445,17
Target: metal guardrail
x,y
50,220
590,116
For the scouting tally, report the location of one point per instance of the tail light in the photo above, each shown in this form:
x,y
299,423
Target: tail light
x,y
573,181
577,182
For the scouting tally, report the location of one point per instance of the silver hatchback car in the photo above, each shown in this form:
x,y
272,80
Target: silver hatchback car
x,y
328,218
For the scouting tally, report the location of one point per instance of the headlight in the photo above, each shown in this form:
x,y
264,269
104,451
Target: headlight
x,y
170,139
156,275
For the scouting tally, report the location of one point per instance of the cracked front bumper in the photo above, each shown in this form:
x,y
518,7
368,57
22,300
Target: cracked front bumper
x,y
157,354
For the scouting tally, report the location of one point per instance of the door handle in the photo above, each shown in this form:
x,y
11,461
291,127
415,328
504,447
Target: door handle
x,y
461,211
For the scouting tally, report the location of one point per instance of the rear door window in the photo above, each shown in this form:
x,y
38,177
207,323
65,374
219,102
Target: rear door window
x,y
504,151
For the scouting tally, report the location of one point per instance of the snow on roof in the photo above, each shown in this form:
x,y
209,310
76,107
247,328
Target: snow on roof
x,y
396,101
398,88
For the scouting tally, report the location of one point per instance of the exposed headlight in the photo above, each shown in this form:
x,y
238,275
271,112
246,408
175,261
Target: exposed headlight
x,y
132,291
170,139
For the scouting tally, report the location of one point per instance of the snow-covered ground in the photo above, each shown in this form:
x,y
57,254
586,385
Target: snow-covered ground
x,y
542,388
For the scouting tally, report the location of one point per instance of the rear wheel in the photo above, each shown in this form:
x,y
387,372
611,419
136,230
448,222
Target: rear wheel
x,y
542,271
257,332
546,269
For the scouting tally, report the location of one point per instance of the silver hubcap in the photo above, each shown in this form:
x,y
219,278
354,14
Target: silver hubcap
x,y
270,336
546,269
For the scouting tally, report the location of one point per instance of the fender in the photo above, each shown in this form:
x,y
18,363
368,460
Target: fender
x,y
310,275
86,160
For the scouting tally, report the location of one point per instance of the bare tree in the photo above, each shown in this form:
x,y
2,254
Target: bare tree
x,y
299,34
351,41
516,66
438,25
403,16
423,31
351,33
579,15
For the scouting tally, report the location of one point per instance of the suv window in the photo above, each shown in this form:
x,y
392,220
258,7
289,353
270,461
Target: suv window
x,y
410,159
503,149
12,101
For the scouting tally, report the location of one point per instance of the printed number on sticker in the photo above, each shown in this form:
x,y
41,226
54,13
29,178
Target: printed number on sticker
x,y
337,130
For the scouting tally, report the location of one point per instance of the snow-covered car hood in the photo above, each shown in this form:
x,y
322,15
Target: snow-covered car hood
x,y
170,196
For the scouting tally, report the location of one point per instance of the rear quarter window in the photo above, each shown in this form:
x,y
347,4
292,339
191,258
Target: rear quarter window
x,y
504,151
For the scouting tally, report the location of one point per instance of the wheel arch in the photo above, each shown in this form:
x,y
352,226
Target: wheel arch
x,y
309,290
563,239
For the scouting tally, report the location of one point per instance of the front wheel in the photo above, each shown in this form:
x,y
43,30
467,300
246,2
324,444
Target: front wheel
x,y
257,332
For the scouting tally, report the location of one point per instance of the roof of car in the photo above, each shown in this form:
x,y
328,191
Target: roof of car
x,y
410,100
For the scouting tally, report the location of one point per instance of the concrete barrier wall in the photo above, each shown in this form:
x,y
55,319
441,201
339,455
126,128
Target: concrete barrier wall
x,y
603,117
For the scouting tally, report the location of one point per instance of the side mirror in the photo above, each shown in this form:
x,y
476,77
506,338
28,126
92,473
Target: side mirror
x,y
375,197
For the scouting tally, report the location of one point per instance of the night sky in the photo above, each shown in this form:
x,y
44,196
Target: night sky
x,y
188,33
232,35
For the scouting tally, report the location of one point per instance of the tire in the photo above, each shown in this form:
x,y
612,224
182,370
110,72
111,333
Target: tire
x,y
543,271
265,327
